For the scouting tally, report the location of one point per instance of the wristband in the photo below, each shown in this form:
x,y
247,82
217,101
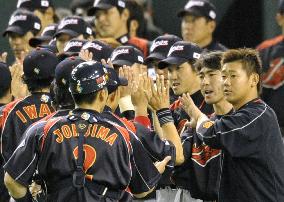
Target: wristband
x,y
27,198
164,116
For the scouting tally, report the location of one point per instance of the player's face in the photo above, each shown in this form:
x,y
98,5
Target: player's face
x,y
160,72
109,23
237,84
20,43
196,29
61,41
211,85
182,78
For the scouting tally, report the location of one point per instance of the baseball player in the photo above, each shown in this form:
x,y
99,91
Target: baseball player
x,y
253,152
183,79
18,115
271,52
199,23
5,97
45,37
96,161
199,175
112,23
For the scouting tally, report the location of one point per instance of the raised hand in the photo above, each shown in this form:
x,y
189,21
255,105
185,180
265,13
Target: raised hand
x,y
3,57
86,55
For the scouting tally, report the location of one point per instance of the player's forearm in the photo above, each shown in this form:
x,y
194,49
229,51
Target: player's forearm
x,y
170,133
15,189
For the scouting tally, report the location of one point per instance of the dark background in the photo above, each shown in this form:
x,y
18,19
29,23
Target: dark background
x,y
241,23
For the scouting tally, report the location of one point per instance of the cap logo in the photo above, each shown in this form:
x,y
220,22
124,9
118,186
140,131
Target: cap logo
x,y
92,45
20,2
79,89
48,28
101,81
37,26
196,55
175,48
36,70
140,59
63,81
89,30
119,52
158,43
121,4
96,2
72,44
44,3
212,14
191,4
68,22
16,18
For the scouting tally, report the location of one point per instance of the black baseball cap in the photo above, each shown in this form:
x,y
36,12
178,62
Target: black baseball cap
x,y
6,78
51,46
89,77
63,70
99,49
72,48
116,80
126,55
39,64
34,4
73,26
161,46
281,6
46,36
201,8
180,53
23,21
105,5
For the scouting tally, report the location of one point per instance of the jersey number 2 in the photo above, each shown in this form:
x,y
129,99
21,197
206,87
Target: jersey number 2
x,y
90,158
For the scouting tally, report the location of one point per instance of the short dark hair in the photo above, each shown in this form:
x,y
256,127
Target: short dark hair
x,y
61,97
85,98
211,60
36,84
250,60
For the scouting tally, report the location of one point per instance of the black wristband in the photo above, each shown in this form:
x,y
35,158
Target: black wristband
x,y
164,116
27,198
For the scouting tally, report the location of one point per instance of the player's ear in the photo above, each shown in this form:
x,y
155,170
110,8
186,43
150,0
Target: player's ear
x,y
255,79
212,25
125,14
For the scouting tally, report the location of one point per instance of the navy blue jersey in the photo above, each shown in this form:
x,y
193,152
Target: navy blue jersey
x,y
253,153
18,116
215,46
112,158
271,53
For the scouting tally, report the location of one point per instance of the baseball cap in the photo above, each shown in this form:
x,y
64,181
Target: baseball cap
x,y
34,4
116,80
199,8
46,36
39,64
72,48
160,47
21,22
51,46
89,77
281,6
99,49
63,70
73,26
126,55
6,78
179,53
105,5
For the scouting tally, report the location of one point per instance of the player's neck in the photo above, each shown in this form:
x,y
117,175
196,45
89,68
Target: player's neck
x,y
96,107
249,97
222,107
6,99
205,42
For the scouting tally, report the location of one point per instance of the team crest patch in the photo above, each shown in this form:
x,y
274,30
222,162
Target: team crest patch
x,y
85,116
208,124
44,98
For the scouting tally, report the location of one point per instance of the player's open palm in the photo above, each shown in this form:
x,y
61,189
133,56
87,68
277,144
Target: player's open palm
x,y
160,94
